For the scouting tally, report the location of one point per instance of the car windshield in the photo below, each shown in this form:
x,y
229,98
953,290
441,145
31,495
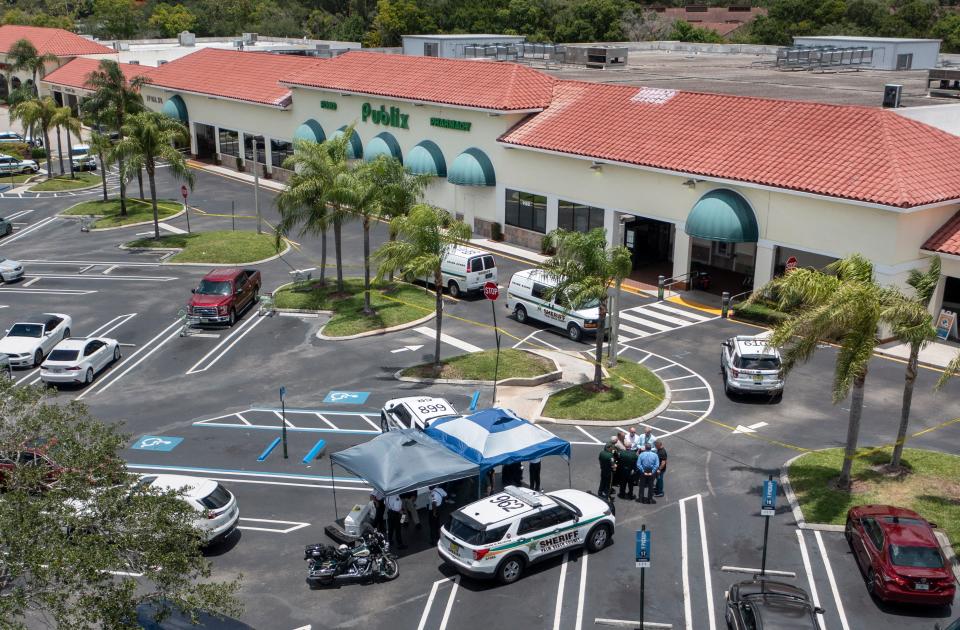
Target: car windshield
x,y
63,355
216,499
468,533
26,330
211,287
924,557
79,151
759,363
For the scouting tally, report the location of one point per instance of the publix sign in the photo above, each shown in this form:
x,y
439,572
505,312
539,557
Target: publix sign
x,y
383,116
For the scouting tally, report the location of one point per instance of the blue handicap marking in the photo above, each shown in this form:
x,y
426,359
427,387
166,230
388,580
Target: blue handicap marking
x,y
156,443
347,398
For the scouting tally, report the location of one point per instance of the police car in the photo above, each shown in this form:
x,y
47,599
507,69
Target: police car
x,y
417,411
530,296
501,535
750,365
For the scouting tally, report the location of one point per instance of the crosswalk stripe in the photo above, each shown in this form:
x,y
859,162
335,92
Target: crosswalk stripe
x,y
694,316
644,322
632,331
445,338
656,315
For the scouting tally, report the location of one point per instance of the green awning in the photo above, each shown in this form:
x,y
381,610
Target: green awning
x,y
426,159
472,168
176,108
383,144
723,215
310,130
354,147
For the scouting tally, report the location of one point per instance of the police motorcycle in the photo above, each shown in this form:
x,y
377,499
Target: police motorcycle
x,y
368,559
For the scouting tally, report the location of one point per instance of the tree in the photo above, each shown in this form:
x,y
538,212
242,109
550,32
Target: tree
x,y
844,305
396,18
117,19
584,268
400,190
358,192
23,55
37,113
64,117
149,137
172,19
102,145
115,98
425,233
65,542
686,32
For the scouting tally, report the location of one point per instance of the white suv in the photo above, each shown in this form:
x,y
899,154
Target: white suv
x,y
750,365
10,165
217,511
500,535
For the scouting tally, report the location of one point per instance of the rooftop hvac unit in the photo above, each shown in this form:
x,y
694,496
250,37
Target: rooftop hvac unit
x,y
118,46
891,95
238,43
187,38
134,62
161,62
249,38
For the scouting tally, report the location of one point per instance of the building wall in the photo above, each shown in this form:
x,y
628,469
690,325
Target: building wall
x,y
925,53
452,47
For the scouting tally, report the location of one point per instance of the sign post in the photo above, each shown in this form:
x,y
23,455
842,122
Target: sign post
x,y
256,191
184,193
643,562
283,420
768,507
491,291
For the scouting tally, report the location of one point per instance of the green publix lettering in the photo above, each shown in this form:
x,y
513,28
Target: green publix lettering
x,y
383,116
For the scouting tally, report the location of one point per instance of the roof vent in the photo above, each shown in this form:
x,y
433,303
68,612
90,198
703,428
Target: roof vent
x,y
161,62
250,38
134,62
653,96
891,95
186,38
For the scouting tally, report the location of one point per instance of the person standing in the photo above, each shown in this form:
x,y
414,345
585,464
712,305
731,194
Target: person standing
x,y
535,474
394,511
646,440
608,465
437,496
662,470
378,511
512,474
620,441
632,440
627,471
648,463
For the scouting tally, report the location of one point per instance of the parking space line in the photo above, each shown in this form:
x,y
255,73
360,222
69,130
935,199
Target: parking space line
x,y
583,590
665,367
371,423
246,473
674,419
679,378
108,328
32,281
24,232
224,425
29,376
294,525
706,563
429,604
453,595
698,400
240,332
445,338
108,382
833,582
329,424
287,422
581,429
810,581
684,568
563,577
686,389
241,418
79,276
50,291
643,360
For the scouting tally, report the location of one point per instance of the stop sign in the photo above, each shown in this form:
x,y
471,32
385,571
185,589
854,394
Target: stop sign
x,y
491,291
183,191
791,263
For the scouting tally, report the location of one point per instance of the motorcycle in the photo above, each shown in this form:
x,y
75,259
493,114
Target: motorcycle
x,y
369,558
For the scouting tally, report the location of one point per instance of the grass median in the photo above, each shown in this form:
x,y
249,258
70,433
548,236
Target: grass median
x,y
393,305
220,247
138,211
632,391
16,179
60,183
930,487
479,366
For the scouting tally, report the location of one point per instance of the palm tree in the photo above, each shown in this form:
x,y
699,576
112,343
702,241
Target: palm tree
x,y
358,192
844,304
400,190
584,268
23,55
146,138
116,98
102,145
64,118
426,233
37,113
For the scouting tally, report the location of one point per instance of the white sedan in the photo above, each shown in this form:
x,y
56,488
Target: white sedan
x,y
29,340
79,360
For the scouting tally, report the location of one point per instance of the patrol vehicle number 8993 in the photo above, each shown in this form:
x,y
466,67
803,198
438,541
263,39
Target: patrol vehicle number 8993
x,y
499,536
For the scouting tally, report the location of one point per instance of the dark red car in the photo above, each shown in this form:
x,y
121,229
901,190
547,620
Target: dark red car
x,y
899,555
34,454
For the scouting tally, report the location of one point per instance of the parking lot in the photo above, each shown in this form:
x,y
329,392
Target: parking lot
x,y
217,391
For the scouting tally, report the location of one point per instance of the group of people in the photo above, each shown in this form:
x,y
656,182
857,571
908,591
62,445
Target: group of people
x,y
629,460
393,512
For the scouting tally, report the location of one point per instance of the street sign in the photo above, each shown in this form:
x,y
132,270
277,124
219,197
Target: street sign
x,y
347,398
768,504
643,548
491,291
184,192
791,263
946,324
283,391
159,443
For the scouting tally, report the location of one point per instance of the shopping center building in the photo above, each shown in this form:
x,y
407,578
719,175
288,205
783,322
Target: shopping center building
x,y
735,186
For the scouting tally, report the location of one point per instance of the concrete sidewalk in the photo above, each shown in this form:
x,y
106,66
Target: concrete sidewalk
x,y
233,174
526,401
937,354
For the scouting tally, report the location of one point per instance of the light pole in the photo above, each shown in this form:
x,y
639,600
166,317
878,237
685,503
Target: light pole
x,y
615,311
256,185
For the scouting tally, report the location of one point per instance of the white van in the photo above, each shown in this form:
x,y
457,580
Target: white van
x,y
527,297
82,159
466,270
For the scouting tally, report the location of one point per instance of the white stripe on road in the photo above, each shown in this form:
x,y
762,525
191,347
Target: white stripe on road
x,y
563,577
109,269
17,215
810,581
242,419
29,376
685,570
245,473
706,563
445,338
446,611
583,590
371,423
241,330
833,582
172,229
633,331
330,424
686,389
429,604
50,291
663,317
664,307
581,429
644,322
34,227
292,525
30,282
679,378
110,326
78,276
98,263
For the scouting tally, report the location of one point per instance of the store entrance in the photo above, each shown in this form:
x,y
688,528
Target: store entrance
x,y
206,141
717,267
651,245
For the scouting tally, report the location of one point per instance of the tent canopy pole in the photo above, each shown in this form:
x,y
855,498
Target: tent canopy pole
x,y
333,483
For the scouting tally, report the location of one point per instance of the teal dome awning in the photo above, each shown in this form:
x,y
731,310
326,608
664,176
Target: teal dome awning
x,y
310,130
426,159
472,168
383,144
723,215
354,147
176,108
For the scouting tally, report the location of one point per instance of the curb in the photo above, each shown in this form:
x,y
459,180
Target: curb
x,y
177,250
667,398
378,331
77,217
53,192
518,381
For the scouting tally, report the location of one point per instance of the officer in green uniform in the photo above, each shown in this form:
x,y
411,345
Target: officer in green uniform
x,y
627,472
608,465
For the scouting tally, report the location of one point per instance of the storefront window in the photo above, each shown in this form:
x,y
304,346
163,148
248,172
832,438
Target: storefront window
x,y
577,217
248,148
229,142
280,150
526,210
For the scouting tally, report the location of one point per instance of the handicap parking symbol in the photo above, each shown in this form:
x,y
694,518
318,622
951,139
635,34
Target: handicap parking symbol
x,y
156,443
347,398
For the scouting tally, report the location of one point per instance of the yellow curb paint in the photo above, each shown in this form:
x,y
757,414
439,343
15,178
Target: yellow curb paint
x,y
676,299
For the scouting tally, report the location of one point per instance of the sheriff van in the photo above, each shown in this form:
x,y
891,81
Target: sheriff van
x,y
527,297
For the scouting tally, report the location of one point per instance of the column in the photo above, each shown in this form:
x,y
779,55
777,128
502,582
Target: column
x,y
936,300
268,154
763,264
553,212
611,227
193,140
681,250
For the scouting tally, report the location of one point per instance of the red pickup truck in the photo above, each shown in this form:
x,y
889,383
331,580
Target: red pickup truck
x,y
222,294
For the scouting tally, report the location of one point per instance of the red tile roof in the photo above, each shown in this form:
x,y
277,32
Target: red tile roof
x,y
860,153
58,41
946,240
245,76
467,83
74,73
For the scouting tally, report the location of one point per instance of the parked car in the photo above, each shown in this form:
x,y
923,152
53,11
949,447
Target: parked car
x,y
414,411
11,136
10,270
465,270
107,131
6,227
82,159
527,298
759,604
899,555
216,507
223,294
36,453
79,360
750,365
501,535
11,165
28,341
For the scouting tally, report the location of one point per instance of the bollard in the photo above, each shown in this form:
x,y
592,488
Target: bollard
x,y
661,281
725,304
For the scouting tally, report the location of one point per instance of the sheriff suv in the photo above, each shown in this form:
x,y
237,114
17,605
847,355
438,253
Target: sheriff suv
x,y
500,535
750,365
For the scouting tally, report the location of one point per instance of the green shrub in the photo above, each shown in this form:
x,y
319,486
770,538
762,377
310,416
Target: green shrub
x,y
759,312
496,231
38,154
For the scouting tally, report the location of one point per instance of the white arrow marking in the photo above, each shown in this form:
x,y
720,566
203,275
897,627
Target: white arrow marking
x,y
750,429
406,348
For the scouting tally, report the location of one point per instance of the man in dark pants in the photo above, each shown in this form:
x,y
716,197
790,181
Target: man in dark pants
x,y
648,463
662,471
628,471
379,508
608,465
394,510
437,496
535,474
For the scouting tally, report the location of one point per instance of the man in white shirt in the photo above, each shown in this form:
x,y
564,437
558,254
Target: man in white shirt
x,y
437,496
379,508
